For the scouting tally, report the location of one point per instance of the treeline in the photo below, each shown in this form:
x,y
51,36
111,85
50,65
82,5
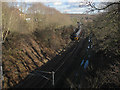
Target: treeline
x,y
14,18
45,16
37,19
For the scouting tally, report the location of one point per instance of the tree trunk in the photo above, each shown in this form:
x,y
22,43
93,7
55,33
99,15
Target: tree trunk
x,y
118,17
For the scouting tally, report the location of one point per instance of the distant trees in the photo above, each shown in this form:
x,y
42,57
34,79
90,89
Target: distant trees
x,y
45,23
14,18
46,16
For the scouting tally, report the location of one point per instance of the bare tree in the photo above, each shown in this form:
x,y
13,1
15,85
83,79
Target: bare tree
x,y
108,5
93,7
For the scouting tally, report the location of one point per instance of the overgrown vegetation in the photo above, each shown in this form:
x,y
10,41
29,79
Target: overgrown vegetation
x,y
30,38
43,22
33,37
104,70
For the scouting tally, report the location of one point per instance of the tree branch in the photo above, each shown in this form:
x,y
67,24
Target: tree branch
x,y
93,6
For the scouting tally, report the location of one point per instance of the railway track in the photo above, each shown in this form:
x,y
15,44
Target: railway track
x,y
42,77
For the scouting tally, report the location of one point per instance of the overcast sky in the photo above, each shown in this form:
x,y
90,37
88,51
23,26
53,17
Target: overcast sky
x,y
67,6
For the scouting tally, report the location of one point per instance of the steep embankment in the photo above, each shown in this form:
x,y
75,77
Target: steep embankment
x,y
22,53
21,56
30,39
